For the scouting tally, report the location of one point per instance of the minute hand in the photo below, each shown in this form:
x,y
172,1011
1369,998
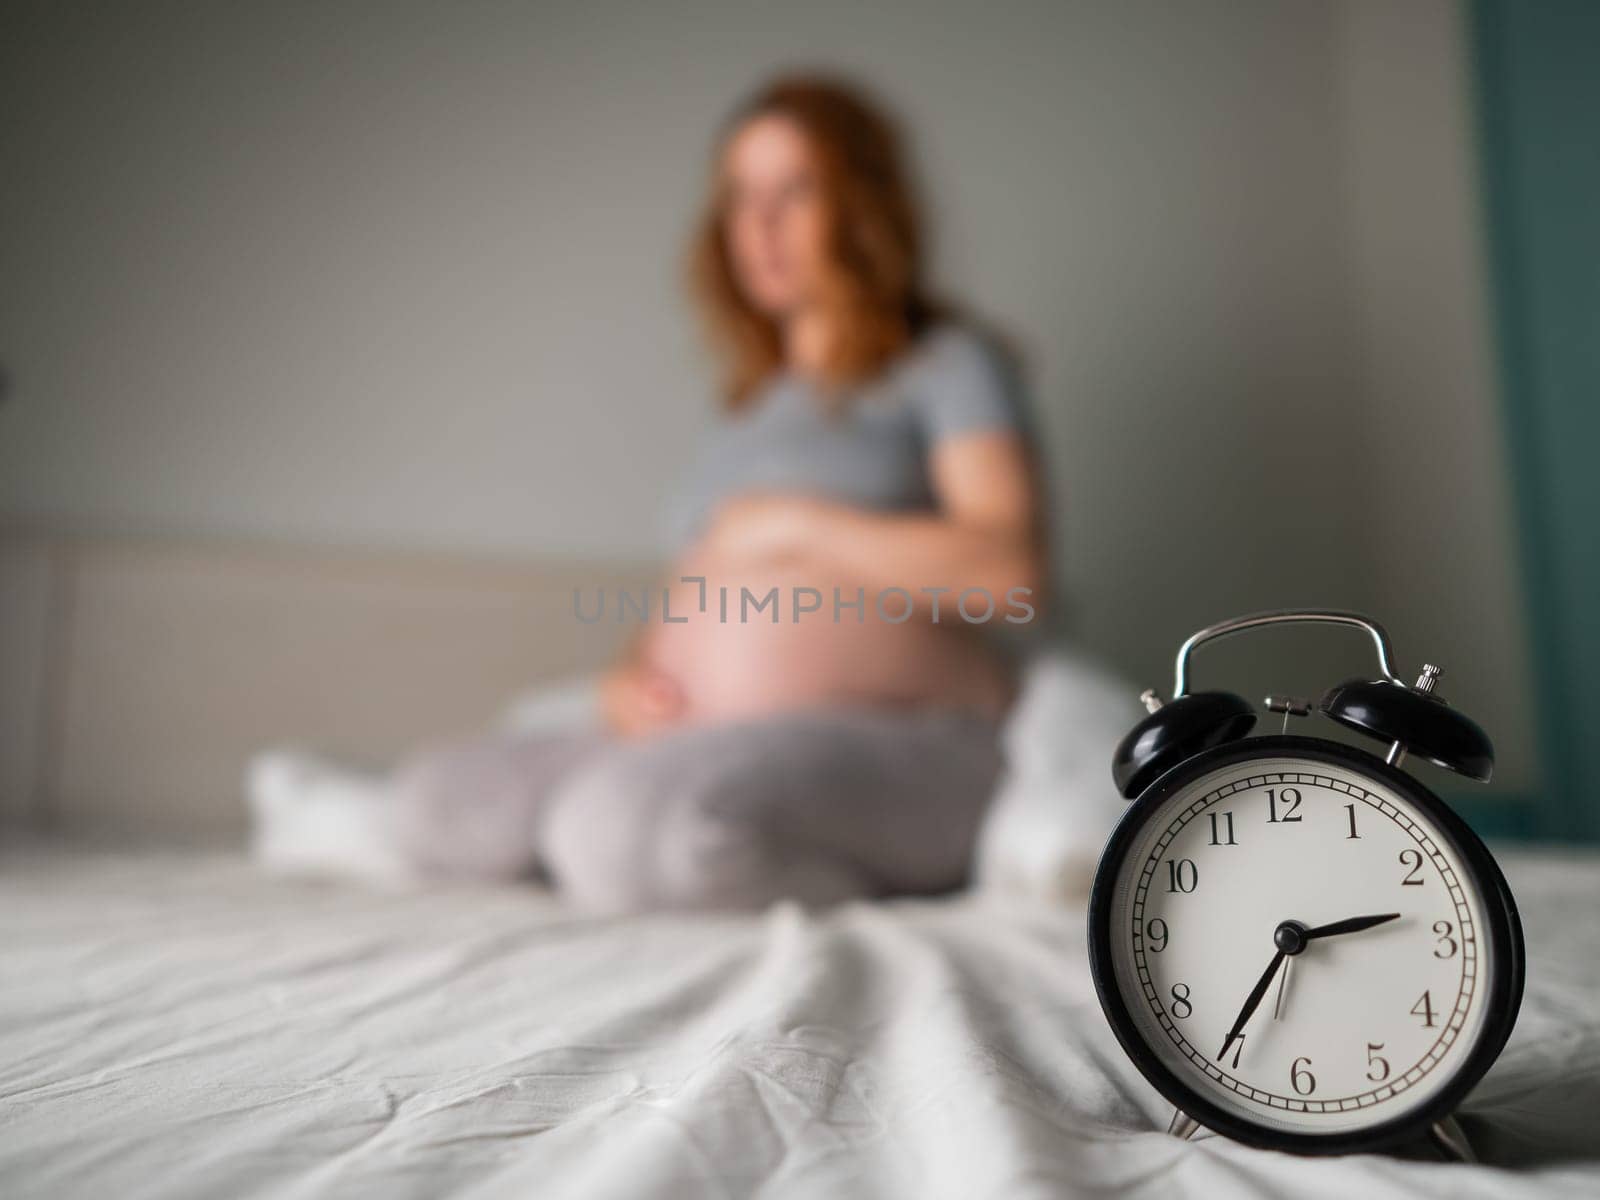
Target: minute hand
x,y
1252,1002
1349,925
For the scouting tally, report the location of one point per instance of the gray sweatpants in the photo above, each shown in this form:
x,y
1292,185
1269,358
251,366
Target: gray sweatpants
x,y
818,807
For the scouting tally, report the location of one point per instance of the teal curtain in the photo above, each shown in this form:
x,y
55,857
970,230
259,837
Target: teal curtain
x,y
1537,70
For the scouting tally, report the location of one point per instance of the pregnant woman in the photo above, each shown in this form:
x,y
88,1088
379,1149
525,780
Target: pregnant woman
x,y
872,467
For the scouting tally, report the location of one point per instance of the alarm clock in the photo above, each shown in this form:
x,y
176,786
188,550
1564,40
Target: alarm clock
x,y
1297,943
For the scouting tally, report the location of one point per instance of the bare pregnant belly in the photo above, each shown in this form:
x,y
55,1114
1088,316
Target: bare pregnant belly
x,y
736,661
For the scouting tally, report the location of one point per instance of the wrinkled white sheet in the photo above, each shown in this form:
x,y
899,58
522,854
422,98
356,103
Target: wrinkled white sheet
x,y
176,1025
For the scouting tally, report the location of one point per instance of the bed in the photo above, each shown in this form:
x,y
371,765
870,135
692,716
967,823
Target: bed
x,y
176,1024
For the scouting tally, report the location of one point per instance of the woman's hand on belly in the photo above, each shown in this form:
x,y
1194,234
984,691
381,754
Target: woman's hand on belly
x,y
742,662
762,528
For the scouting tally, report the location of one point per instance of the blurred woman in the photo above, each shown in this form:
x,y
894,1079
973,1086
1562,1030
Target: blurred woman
x,y
871,489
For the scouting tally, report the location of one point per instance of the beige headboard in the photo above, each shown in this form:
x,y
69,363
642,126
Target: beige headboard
x,y
138,675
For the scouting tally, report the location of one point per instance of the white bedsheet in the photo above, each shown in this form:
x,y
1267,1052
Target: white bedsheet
x,y
176,1025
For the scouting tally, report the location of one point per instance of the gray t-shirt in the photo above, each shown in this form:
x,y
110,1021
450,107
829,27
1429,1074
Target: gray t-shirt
x,y
870,451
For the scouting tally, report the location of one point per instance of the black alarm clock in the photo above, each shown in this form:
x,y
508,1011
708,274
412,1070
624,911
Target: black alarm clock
x,y
1298,944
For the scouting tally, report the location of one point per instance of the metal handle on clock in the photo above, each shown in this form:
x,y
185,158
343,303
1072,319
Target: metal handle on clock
x,y
1285,616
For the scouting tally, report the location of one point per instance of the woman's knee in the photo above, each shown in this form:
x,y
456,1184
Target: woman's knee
x,y
626,835
459,811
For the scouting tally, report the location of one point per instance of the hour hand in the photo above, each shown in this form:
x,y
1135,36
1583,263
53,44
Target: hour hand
x,y
1348,925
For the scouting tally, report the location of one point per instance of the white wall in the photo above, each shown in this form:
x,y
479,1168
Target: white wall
x,y
1437,520
408,275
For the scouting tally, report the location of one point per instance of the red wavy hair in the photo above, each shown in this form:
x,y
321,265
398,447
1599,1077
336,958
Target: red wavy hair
x,y
874,281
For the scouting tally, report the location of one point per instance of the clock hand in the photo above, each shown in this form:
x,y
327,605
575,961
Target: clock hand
x,y
1283,981
1350,925
1291,937
1252,1002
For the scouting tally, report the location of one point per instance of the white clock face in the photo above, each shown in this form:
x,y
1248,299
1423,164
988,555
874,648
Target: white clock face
x,y
1352,1028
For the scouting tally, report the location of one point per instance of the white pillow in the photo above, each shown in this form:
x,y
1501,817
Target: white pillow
x,y
1056,805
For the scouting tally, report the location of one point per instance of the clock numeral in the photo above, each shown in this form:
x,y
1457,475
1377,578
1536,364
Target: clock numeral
x,y
1181,1007
1182,875
1412,859
1225,827
1376,1063
1238,1047
1301,1080
1447,945
1155,935
1291,802
1351,809
1424,1008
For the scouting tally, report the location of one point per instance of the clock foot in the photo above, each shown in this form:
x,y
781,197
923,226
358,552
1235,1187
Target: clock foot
x,y
1183,1125
1449,1140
